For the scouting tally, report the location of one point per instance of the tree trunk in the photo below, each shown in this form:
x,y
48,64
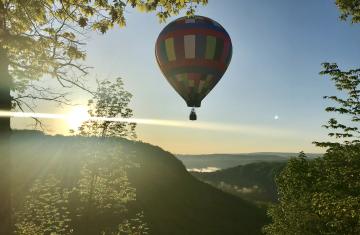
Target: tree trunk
x,y
5,131
5,161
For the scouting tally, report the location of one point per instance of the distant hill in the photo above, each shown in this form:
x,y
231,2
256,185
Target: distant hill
x,y
212,162
173,201
254,181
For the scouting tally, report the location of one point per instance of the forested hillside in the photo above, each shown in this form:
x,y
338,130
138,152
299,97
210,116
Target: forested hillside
x,y
254,182
90,185
223,161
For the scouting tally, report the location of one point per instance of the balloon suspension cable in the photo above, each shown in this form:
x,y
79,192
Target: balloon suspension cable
x,y
192,116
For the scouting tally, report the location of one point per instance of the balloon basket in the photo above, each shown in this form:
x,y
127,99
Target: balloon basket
x,y
192,116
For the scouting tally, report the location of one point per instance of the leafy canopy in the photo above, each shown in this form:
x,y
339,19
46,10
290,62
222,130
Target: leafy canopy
x,y
46,37
349,9
320,196
348,106
110,100
95,197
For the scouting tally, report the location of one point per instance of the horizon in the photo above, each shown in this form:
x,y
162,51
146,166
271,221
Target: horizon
x,y
176,154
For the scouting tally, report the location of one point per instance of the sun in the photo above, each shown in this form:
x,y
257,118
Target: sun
x,y
77,116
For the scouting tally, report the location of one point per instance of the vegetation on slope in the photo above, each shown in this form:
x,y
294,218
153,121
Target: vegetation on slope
x,y
136,185
254,182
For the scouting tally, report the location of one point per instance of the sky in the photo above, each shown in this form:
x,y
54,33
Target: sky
x,y
270,98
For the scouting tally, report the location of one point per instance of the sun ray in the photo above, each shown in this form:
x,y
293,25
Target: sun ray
x,y
77,116
211,126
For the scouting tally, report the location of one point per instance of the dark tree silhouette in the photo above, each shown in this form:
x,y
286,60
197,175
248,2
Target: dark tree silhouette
x,y
348,106
349,9
109,100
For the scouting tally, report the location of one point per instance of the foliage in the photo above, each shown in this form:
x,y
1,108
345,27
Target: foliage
x,y
103,182
102,190
110,100
349,83
46,38
45,210
349,9
104,187
134,226
320,196
254,181
172,201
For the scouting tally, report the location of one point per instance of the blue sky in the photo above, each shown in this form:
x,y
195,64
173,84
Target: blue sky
x,y
278,46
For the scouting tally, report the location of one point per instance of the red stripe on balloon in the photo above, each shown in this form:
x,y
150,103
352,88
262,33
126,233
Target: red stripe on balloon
x,y
180,21
182,32
195,63
196,78
179,48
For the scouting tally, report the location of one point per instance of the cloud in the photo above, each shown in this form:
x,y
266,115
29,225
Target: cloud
x,y
206,169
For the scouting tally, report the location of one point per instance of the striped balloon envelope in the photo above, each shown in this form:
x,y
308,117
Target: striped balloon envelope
x,y
193,54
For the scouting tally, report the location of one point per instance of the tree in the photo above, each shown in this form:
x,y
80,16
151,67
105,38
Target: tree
x,y
322,196
104,187
348,106
44,38
349,9
45,209
94,199
110,100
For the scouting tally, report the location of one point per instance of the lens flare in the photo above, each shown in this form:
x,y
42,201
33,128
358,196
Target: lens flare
x,y
79,116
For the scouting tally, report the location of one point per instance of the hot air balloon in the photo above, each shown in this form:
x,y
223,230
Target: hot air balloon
x,y
193,54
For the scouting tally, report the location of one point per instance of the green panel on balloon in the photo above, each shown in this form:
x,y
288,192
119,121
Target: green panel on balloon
x,y
170,50
210,47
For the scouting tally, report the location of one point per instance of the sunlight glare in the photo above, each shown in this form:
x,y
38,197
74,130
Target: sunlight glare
x,y
77,116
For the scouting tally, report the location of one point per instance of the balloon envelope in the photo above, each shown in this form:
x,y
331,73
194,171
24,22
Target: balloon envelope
x,y
193,54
